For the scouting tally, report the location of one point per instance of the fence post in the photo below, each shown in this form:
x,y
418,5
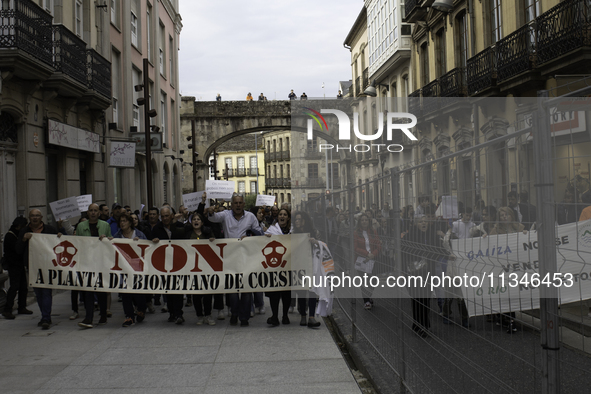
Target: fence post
x,y
350,270
544,178
397,230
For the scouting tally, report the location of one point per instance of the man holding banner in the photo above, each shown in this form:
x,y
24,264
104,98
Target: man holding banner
x,y
235,224
44,296
94,227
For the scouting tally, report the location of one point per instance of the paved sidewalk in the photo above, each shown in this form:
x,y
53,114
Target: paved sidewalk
x,y
160,357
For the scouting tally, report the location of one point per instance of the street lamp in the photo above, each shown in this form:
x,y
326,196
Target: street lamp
x,y
371,89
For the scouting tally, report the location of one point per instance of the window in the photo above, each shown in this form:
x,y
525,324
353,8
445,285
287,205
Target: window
x,y
281,171
424,64
133,29
532,9
48,6
161,61
253,187
313,170
495,20
440,53
253,165
163,116
136,116
228,163
287,171
312,144
333,170
461,27
241,187
162,50
78,16
115,113
170,59
149,32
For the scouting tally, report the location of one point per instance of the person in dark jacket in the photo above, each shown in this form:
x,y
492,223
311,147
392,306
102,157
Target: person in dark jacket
x,y
422,248
167,230
17,272
44,296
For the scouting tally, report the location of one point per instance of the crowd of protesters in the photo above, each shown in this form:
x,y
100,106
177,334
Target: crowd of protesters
x,y
220,220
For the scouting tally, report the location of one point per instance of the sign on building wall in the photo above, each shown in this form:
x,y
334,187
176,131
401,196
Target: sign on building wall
x,y
72,137
122,154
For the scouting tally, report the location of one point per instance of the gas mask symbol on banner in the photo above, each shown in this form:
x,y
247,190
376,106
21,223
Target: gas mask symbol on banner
x,y
273,253
64,253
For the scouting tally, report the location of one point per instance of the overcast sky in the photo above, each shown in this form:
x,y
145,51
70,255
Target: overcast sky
x,y
234,47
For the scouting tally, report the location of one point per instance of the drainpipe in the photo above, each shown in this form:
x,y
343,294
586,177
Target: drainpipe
x,y
472,31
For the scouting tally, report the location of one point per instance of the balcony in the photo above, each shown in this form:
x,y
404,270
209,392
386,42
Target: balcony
x,y
240,172
357,86
313,153
267,156
562,29
515,53
99,74
279,182
253,171
285,155
69,54
287,182
229,172
414,102
430,92
453,84
365,76
26,40
482,71
415,10
314,182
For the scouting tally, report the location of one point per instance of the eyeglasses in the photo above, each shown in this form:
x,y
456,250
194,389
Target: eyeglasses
x,y
237,195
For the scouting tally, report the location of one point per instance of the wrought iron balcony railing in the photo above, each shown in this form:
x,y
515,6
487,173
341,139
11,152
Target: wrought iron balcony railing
x,y
357,86
414,102
315,182
253,171
286,182
279,182
365,79
285,155
230,172
515,53
481,71
240,171
27,26
99,73
69,54
430,93
453,83
563,28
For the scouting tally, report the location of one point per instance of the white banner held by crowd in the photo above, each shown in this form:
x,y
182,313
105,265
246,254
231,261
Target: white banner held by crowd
x,y
191,201
219,189
65,209
515,258
263,199
83,202
176,267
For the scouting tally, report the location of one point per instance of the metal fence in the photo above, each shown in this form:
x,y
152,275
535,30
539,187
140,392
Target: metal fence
x,y
529,177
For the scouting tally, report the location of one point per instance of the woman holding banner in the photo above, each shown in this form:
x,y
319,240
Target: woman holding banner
x,y
282,227
128,230
201,302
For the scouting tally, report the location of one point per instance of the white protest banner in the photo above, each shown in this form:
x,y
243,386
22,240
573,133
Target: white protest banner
x,y
448,208
83,202
122,154
176,267
65,209
507,269
142,209
191,201
219,189
263,199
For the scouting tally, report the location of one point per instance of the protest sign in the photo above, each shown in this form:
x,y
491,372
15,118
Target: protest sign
x,y
263,199
176,267
83,202
65,209
191,201
219,189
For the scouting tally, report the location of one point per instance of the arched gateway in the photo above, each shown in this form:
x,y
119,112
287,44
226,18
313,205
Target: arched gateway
x,y
216,122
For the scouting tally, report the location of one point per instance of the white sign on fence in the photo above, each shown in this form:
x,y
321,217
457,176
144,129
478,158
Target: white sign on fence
x,y
122,154
448,208
83,202
219,189
65,209
191,201
263,199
